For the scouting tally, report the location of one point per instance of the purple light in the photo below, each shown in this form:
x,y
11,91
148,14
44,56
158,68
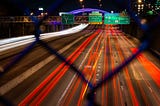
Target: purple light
x,y
55,23
86,10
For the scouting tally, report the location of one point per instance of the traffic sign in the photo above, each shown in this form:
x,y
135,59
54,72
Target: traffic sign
x,y
116,18
95,18
67,19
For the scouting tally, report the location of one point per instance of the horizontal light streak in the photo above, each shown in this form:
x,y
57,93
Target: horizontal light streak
x,y
9,43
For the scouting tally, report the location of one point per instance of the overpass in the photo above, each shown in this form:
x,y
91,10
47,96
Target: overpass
x,y
51,19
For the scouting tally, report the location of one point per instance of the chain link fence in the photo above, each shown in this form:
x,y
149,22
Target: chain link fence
x,y
145,43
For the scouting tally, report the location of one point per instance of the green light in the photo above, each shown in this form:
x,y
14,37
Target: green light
x,y
150,12
67,19
116,18
95,17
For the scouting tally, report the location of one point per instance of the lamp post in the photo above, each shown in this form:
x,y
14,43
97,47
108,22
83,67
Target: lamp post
x,y
139,1
81,1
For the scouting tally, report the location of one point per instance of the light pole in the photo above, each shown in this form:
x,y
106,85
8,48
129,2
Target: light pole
x,y
81,1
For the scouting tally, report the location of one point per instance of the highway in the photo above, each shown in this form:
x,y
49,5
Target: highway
x,y
42,79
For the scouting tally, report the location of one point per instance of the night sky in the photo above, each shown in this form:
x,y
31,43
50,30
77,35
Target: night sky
x,y
18,7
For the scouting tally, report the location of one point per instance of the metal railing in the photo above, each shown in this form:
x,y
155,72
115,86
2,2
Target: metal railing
x,y
27,19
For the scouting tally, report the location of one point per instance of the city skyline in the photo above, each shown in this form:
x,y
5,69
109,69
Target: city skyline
x,y
19,7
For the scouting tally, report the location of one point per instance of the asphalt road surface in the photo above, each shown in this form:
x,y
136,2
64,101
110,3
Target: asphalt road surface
x,y
94,51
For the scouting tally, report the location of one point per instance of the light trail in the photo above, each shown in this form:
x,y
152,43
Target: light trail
x,y
118,79
92,59
150,89
61,74
73,81
131,89
44,93
115,93
10,43
149,66
105,67
104,50
108,34
79,80
85,86
146,82
140,86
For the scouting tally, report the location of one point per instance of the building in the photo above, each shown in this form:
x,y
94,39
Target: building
x,y
157,6
144,8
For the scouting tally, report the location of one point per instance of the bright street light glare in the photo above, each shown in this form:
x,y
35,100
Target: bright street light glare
x,y
40,8
139,1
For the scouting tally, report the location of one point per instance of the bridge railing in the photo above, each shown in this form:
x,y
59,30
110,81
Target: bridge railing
x,y
25,19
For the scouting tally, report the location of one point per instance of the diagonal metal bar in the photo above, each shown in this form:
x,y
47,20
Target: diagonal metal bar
x,y
75,69
110,74
18,58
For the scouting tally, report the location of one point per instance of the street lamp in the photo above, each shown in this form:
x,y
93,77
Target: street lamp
x,y
100,5
81,1
139,1
40,9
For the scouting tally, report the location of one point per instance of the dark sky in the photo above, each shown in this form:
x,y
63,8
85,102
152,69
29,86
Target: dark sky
x,y
18,7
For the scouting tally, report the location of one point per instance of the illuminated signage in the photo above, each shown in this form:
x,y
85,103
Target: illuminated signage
x,y
67,19
116,18
95,17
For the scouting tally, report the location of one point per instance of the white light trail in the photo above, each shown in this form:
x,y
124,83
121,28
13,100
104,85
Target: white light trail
x,y
9,43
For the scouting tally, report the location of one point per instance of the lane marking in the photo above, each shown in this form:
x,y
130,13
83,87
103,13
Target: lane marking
x,y
85,86
98,70
64,93
97,74
50,86
87,66
17,80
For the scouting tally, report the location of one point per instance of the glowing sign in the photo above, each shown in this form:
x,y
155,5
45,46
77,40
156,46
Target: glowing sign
x,y
95,17
67,19
116,18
